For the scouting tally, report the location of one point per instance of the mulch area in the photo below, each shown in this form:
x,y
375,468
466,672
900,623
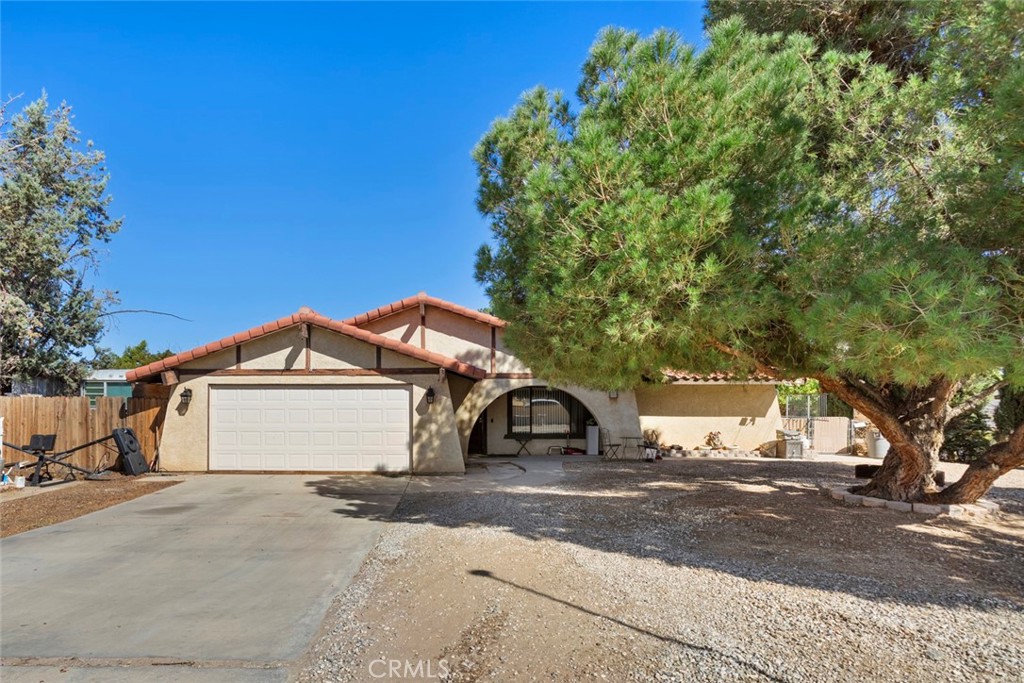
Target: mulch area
x,y
20,513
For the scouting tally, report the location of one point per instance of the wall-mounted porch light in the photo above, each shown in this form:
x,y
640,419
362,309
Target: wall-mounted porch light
x,y
431,394
186,397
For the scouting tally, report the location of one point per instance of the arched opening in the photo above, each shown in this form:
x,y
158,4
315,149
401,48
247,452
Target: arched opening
x,y
530,420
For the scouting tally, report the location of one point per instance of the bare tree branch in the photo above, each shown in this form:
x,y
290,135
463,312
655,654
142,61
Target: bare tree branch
x,y
143,310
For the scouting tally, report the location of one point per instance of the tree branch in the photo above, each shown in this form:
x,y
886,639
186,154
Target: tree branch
x,y
880,413
976,400
768,370
143,310
937,396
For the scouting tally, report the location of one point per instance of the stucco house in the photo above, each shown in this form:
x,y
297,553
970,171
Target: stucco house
x,y
416,385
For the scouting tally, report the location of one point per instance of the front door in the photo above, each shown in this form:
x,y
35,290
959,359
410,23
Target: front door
x,y
478,437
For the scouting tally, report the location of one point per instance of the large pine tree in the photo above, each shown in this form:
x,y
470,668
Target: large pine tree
x,y
773,204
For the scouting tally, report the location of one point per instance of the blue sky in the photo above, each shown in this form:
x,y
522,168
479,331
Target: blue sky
x,y
267,156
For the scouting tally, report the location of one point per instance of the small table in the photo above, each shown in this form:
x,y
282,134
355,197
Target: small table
x,y
633,442
522,441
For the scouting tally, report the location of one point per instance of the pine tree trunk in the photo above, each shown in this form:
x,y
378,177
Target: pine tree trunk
x,y
908,471
999,459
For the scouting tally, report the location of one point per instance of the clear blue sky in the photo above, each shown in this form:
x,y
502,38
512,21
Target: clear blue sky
x,y
267,156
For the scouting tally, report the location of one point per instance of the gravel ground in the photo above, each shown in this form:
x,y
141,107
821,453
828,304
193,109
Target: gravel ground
x,y
26,509
691,570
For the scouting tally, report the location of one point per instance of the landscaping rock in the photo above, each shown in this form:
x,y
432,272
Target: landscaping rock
x,y
975,510
928,509
988,505
899,506
840,492
954,511
869,502
853,500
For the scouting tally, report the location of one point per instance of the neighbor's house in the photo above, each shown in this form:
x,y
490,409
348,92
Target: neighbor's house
x,y
419,384
106,382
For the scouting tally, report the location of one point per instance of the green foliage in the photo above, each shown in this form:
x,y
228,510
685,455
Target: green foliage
x,y
1010,411
808,387
53,215
132,357
880,28
766,202
967,436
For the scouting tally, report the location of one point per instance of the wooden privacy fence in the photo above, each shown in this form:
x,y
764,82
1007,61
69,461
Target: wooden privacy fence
x,y
75,422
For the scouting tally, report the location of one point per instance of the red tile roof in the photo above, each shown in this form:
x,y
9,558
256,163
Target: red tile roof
x,y
305,315
424,298
685,376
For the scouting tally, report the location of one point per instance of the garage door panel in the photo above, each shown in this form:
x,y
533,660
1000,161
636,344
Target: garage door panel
x,y
249,439
398,439
309,428
298,439
321,461
372,415
346,439
225,438
249,460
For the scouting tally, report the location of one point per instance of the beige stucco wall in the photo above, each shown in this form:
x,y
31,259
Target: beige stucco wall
x,y
404,326
450,334
221,360
505,361
747,415
281,350
459,337
392,359
331,351
184,445
618,415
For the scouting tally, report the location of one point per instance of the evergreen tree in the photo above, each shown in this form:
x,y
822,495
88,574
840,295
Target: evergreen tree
x,y
53,216
768,205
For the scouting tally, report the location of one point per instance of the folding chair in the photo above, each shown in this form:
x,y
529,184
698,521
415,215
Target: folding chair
x,y
609,449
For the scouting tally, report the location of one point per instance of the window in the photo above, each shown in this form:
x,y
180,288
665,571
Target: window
x,y
540,411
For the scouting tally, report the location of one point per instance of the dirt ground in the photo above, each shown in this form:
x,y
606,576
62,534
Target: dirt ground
x,y
691,570
21,511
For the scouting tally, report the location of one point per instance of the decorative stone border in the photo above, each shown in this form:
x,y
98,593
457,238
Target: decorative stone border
x,y
983,508
708,453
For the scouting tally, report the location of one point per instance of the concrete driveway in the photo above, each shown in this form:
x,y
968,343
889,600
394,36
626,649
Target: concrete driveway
x,y
219,578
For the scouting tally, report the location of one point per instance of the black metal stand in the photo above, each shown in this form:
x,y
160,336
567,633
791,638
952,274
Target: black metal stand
x,y
44,461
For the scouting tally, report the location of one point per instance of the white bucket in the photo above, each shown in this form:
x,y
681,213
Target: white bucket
x,y
19,482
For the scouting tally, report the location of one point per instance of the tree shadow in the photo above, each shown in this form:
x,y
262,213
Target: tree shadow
x,y
764,521
484,573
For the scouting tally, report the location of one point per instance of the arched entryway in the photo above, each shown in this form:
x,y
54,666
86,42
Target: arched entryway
x,y
530,421
530,409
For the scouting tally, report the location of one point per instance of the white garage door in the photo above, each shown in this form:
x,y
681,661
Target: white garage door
x,y
309,428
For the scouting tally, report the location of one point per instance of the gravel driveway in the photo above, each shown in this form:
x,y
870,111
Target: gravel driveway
x,y
682,570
